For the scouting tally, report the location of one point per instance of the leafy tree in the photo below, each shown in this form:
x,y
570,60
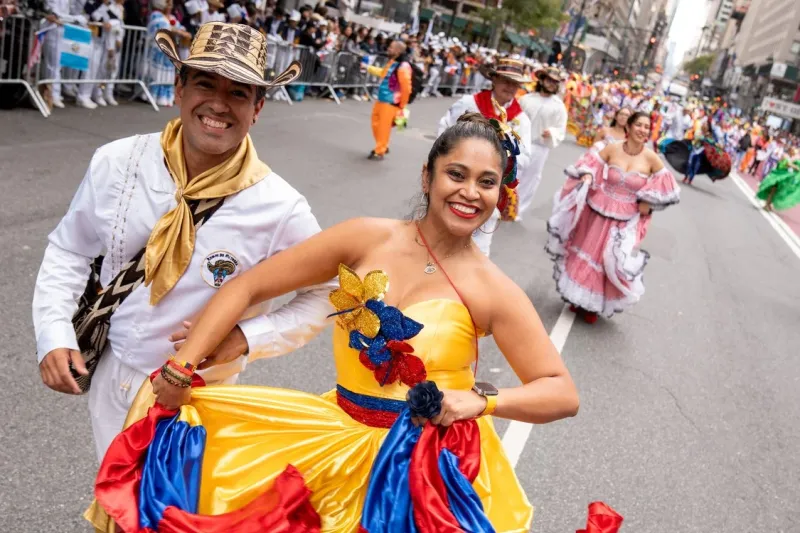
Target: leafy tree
x,y
523,15
699,65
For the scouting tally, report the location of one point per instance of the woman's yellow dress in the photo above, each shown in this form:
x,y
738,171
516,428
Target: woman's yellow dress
x,y
254,432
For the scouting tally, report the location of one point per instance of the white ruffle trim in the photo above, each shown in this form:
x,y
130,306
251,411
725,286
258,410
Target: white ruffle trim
x,y
622,265
659,200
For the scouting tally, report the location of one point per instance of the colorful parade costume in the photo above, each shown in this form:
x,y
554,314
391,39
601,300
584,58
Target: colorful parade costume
x,y
594,233
786,183
247,458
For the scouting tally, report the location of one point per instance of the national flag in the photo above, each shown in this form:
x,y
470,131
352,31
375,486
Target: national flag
x,y
415,18
75,47
429,32
36,52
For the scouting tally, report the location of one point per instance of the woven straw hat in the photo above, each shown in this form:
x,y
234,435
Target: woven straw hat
x,y
513,69
550,72
233,51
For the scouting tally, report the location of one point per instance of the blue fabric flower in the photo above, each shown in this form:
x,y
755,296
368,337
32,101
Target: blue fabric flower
x,y
395,326
425,400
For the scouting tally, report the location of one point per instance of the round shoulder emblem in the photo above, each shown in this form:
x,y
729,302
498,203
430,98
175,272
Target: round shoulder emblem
x,y
218,267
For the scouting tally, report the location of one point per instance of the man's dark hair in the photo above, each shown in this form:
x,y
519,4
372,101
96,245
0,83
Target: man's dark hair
x,y
261,92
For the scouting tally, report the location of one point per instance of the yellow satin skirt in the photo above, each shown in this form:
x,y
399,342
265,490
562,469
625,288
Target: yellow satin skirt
x,y
254,432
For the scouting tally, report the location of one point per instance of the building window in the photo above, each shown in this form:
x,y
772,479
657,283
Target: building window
x,y
796,47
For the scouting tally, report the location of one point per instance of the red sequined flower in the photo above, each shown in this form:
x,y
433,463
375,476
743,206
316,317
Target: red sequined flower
x,y
402,365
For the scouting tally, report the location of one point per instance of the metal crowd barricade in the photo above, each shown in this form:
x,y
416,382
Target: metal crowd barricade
x,y
279,55
134,66
17,42
317,68
374,81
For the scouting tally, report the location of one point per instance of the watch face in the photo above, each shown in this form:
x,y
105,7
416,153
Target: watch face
x,y
485,389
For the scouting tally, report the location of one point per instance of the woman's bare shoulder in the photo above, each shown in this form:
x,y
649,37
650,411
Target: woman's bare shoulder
x,y
655,161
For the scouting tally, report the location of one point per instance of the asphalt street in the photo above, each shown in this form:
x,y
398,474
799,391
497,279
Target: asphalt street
x,y
690,403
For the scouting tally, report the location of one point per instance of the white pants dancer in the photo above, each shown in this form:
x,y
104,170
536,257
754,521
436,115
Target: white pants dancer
x,y
482,237
433,82
533,175
114,387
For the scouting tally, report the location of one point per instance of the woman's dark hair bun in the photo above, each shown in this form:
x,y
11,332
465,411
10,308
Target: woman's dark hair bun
x,y
474,118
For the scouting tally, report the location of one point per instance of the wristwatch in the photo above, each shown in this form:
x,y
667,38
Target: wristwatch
x,y
488,391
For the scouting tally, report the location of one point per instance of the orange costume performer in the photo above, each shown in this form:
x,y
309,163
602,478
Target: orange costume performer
x,y
393,95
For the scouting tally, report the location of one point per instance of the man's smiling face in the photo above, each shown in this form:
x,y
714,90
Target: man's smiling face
x,y
216,112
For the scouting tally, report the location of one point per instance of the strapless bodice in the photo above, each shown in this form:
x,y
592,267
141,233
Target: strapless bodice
x,y
446,346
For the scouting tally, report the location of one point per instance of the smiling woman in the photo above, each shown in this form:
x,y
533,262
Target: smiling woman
x,y
600,219
404,441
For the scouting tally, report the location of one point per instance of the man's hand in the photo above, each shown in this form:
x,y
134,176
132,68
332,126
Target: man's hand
x,y
231,348
53,19
546,134
54,369
170,396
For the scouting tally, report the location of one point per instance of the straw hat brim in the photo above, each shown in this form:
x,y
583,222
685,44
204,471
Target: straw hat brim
x,y
227,67
490,72
547,73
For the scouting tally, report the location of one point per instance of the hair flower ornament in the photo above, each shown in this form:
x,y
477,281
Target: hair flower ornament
x,y
509,139
378,331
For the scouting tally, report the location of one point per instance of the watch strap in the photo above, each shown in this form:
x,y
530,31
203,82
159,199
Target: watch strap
x,y
491,405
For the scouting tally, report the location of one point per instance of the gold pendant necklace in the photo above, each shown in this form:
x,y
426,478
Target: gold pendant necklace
x,y
430,265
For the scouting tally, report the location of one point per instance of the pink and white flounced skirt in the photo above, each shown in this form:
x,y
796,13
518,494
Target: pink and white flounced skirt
x,y
597,265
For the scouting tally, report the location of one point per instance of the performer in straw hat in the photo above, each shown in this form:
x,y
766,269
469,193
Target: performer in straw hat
x,y
178,214
498,103
548,118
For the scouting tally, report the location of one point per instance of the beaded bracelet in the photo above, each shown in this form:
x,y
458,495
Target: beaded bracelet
x,y
177,375
173,379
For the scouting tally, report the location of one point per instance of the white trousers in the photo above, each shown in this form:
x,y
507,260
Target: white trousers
x,y
109,69
114,387
50,56
529,182
482,237
96,60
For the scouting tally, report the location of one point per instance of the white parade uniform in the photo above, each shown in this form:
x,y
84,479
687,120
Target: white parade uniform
x,y
546,112
521,125
126,190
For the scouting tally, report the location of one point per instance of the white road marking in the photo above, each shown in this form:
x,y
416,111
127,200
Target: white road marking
x,y
784,231
516,436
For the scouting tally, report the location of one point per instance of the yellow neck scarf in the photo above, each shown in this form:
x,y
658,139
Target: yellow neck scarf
x,y
171,243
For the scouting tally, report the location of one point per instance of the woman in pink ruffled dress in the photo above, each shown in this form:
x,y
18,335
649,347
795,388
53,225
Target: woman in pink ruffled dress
x,y
599,219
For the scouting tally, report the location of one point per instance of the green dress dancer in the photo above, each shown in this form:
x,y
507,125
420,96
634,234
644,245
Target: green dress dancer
x,y
781,187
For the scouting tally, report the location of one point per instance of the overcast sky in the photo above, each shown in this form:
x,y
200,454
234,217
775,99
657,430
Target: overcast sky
x,y
686,28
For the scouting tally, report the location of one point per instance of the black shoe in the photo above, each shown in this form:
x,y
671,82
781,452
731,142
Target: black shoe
x,y
374,157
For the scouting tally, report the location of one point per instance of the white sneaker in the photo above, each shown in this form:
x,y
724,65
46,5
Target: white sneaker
x,y
85,103
110,100
162,102
58,102
69,90
100,101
